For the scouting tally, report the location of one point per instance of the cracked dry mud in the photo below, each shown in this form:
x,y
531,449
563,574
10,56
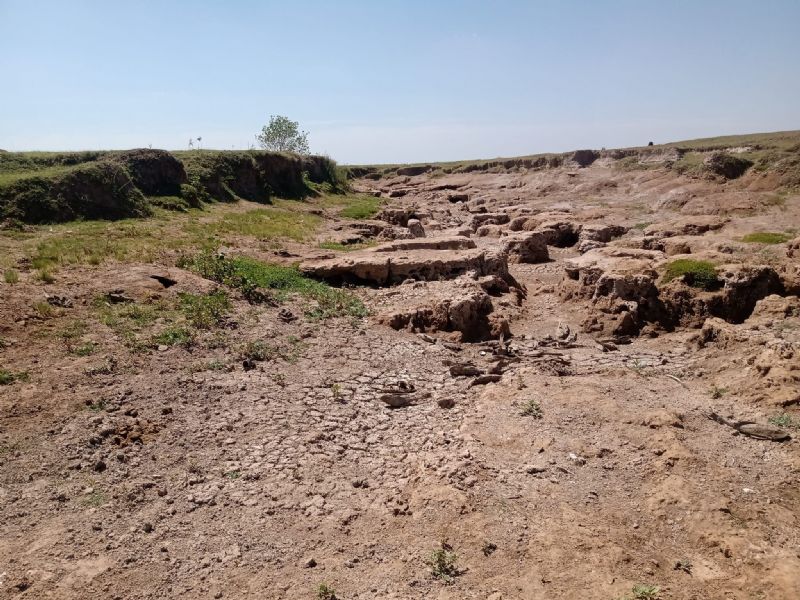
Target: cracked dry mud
x,y
588,467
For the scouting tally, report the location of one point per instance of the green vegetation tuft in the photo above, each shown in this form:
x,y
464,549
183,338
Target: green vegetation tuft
x,y
326,592
11,276
532,409
785,420
173,336
695,273
204,311
442,563
8,377
766,237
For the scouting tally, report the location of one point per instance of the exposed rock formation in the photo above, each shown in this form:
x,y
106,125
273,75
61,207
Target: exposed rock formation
x,y
695,225
385,268
526,247
469,313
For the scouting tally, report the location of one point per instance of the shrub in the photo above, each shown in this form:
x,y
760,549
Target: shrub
x,y
326,592
695,273
11,276
532,409
442,562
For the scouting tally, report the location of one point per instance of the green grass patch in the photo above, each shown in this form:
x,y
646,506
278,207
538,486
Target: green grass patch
x,y
690,163
11,276
785,420
354,206
83,349
253,277
8,377
204,311
766,237
149,240
262,223
695,273
173,336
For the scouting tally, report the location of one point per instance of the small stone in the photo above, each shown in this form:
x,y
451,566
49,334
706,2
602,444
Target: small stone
x,y
309,563
446,402
578,460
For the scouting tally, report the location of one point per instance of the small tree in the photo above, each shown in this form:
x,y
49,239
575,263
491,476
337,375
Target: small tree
x,y
283,135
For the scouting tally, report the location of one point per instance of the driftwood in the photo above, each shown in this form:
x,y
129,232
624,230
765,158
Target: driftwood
x,y
752,429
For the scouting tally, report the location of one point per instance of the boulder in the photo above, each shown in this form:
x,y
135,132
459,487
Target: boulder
x,y
494,231
397,216
415,228
486,218
526,247
601,232
560,233
469,314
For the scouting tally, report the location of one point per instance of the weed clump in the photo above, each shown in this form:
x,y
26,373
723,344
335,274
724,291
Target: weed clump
x,y
442,563
695,273
532,409
326,592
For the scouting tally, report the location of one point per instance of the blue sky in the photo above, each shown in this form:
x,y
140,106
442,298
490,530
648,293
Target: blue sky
x,y
386,81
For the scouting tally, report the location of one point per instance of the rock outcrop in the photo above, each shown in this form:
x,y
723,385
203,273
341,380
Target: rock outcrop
x,y
619,283
386,268
525,247
695,225
469,314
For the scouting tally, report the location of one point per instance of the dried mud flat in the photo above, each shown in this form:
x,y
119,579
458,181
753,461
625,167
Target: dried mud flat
x,y
552,437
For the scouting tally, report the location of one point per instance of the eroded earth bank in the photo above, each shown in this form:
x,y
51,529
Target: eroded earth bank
x,y
571,376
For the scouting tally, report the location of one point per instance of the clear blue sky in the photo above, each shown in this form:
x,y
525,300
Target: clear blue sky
x,y
391,81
